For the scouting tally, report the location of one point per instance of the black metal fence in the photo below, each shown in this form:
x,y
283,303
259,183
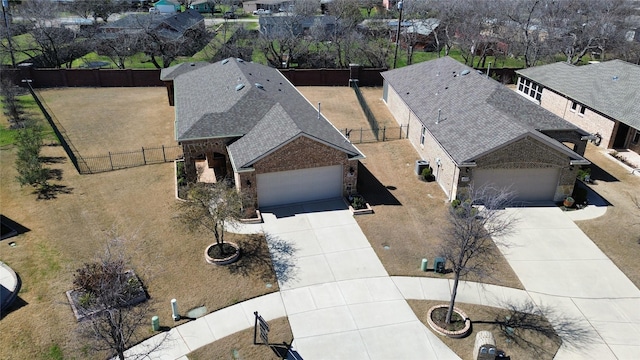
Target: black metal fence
x,y
373,122
112,160
362,135
126,159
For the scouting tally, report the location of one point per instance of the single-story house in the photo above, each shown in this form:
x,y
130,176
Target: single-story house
x,y
475,131
166,26
602,98
248,123
273,5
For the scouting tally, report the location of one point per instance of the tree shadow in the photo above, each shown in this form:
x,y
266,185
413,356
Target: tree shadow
x,y
54,174
526,318
53,159
263,259
373,190
284,351
49,191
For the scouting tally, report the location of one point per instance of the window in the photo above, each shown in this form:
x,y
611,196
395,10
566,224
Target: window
x,y
574,106
424,131
531,89
582,109
636,137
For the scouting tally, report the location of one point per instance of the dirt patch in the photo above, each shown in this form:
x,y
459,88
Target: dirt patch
x,y
617,233
112,119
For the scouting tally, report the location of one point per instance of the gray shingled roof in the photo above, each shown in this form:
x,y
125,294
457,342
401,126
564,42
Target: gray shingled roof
x,y
611,88
171,26
265,113
477,114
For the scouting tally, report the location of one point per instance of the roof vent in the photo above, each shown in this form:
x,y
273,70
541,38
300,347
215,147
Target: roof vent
x,y
225,61
239,60
465,72
259,86
615,78
239,87
192,64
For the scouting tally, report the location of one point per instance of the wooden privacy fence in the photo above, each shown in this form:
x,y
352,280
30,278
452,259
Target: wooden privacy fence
x,y
126,159
363,135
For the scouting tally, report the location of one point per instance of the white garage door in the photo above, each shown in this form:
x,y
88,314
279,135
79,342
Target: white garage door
x,y
286,187
529,184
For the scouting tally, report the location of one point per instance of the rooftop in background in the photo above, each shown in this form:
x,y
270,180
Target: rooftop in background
x,y
611,88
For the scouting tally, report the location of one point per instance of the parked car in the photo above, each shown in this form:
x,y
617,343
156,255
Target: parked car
x,y
262,12
230,15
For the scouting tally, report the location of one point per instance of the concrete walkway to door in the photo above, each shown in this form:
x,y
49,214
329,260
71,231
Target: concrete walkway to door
x,y
561,268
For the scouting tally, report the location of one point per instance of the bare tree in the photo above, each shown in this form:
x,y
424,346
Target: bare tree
x,y
108,286
98,9
580,27
523,30
211,208
50,44
467,239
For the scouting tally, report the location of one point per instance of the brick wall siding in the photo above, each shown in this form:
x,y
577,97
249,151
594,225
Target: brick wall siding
x,y
590,121
447,173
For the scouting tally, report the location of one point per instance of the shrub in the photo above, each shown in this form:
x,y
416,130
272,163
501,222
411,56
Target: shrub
x,y
455,203
427,175
583,172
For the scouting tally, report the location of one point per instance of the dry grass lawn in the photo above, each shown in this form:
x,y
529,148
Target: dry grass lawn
x,y
99,120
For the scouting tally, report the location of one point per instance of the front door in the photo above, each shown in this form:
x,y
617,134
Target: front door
x,y
620,142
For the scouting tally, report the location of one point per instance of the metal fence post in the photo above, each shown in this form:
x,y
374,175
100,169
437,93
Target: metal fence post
x,y
360,136
110,161
384,130
164,157
144,157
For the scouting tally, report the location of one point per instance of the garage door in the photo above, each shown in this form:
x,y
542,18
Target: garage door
x,y
286,187
529,184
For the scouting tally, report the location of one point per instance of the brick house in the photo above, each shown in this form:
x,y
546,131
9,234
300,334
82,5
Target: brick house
x,y
474,131
247,122
601,98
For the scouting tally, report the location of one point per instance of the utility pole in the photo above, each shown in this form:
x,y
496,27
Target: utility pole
x,y
5,14
395,57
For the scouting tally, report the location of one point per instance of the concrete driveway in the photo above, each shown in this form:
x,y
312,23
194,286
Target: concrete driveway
x,y
561,268
340,301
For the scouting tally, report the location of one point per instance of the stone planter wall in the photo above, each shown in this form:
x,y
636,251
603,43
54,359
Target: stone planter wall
x,y
226,261
452,334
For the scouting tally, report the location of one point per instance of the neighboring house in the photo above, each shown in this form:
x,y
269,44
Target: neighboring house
x,y
202,6
295,25
247,122
475,131
421,34
273,5
166,7
167,26
602,98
